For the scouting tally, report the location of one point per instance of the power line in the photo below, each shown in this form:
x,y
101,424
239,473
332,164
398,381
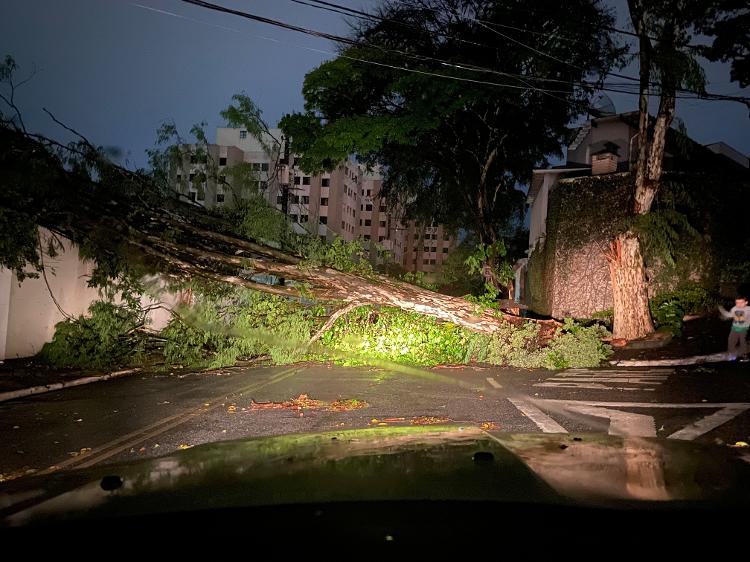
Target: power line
x,y
352,42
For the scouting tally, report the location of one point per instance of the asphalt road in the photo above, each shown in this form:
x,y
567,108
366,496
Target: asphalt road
x,y
151,415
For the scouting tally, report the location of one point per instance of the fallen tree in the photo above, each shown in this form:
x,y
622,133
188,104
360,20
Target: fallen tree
x,y
124,222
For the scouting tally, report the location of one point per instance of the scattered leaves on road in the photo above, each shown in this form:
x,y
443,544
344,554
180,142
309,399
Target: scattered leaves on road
x,y
740,445
429,420
184,446
304,402
346,405
83,451
488,426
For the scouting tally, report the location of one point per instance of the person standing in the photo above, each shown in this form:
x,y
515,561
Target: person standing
x,y
740,317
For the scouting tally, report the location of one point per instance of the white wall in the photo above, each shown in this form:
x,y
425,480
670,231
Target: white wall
x,y
28,313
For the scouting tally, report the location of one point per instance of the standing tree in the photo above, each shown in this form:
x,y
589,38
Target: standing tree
x,y
458,100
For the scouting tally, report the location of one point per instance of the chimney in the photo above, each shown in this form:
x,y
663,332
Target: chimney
x,y
603,163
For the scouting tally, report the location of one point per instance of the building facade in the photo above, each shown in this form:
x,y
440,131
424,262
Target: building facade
x,y
344,203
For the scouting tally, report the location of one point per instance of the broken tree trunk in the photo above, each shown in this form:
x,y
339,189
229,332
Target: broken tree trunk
x,y
632,318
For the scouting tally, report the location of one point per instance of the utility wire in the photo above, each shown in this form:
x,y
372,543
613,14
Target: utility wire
x,y
352,42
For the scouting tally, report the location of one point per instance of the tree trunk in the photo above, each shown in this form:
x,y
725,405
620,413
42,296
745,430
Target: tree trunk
x,y
632,317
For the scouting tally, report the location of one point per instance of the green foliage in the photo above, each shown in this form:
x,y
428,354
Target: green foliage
x,y
396,335
669,308
391,334
444,143
419,279
107,337
578,346
490,255
347,256
487,299
237,323
573,346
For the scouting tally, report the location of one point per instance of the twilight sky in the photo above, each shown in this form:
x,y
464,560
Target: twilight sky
x,y
115,69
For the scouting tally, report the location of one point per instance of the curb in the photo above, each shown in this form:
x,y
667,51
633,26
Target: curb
x,y
12,395
694,360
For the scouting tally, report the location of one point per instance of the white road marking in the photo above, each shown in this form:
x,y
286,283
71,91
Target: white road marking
x,y
627,423
696,429
542,420
594,379
494,383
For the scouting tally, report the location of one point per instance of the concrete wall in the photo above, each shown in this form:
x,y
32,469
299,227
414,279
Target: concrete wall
x,y
28,313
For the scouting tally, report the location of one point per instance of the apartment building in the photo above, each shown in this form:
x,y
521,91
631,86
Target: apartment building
x,y
343,203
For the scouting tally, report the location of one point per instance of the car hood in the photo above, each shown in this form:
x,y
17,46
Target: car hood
x,y
394,463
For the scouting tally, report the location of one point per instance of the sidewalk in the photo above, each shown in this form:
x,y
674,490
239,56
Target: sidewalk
x,y
24,377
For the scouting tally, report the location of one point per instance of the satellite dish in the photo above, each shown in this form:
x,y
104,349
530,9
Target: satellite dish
x,y
603,105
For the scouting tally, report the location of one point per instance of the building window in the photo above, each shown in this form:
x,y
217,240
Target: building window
x,y
368,222
445,250
262,185
222,179
295,199
433,249
192,177
193,159
382,223
425,249
294,218
416,236
361,207
369,191
325,182
324,201
446,237
264,166
343,225
201,195
368,207
305,199
243,134
381,238
425,262
432,262
304,218
297,180
367,236
222,160
191,195
323,220
279,199
306,180
219,197
382,209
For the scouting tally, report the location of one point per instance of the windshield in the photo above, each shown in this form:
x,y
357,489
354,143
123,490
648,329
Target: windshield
x,y
307,243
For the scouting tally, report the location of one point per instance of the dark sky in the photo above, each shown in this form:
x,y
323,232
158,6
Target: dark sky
x,y
115,71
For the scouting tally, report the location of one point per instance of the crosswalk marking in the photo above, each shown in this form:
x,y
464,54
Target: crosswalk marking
x,y
604,379
627,423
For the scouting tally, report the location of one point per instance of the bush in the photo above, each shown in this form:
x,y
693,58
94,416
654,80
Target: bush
x,y
396,335
108,337
573,346
405,337
668,309
226,326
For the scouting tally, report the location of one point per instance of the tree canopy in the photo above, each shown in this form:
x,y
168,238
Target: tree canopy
x,y
457,100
